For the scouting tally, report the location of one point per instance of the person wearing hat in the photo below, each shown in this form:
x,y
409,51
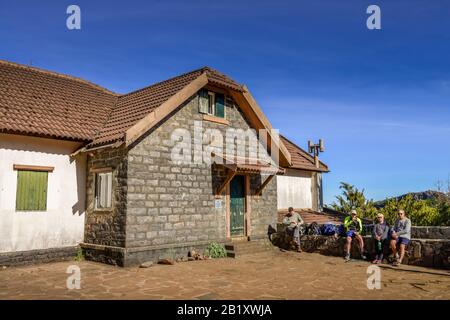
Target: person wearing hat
x,y
379,233
292,221
353,228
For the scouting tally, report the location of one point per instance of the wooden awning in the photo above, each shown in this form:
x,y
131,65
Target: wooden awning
x,y
247,165
238,165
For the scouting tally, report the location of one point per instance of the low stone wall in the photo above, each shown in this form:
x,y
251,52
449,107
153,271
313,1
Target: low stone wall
x,y
137,256
420,252
104,254
419,232
129,257
430,232
20,258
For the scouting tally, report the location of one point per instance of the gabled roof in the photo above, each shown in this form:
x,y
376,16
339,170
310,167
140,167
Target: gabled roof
x,y
44,103
302,159
134,106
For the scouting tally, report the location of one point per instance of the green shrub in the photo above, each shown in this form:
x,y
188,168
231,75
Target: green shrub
x,y
421,212
80,254
431,212
443,206
215,250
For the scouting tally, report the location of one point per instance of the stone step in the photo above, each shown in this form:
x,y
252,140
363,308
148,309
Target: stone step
x,y
245,246
248,247
249,251
240,248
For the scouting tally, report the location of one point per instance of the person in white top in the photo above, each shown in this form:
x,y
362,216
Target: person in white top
x,y
292,221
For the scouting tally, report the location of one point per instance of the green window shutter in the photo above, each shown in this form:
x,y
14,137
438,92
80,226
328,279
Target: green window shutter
x,y
220,106
31,190
203,101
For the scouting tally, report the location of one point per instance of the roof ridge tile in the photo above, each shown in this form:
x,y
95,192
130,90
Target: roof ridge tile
x,y
201,70
57,74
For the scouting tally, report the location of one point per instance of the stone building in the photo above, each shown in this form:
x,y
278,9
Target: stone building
x,y
133,177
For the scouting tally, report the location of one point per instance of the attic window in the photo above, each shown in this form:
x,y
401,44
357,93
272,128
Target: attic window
x,y
212,103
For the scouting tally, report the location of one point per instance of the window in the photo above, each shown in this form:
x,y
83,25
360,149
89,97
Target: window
x,y
212,103
31,192
103,190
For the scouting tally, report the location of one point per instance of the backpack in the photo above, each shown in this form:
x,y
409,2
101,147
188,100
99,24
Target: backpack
x,y
340,230
329,229
302,229
314,229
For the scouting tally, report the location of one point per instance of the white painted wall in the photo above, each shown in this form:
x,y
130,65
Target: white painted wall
x,y
294,189
62,224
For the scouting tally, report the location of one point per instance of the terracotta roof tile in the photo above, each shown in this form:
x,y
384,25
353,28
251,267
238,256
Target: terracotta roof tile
x,y
44,103
300,158
310,216
134,106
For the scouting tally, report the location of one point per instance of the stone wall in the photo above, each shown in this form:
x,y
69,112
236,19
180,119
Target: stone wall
x,y
430,232
264,208
19,258
168,202
173,203
107,227
420,232
420,252
136,256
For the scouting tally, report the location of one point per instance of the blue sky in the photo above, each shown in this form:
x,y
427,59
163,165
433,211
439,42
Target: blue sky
x,y
379,98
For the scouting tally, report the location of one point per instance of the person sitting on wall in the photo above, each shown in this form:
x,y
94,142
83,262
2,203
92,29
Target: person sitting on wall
x,y
292,221
380,233
400,234
353,229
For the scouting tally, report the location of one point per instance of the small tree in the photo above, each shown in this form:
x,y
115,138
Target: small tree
x,y
352,198
444,186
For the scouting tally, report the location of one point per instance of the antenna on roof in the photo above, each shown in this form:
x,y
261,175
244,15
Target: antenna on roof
x,y
315,149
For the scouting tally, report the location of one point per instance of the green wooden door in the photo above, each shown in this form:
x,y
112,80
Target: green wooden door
x,y
237,206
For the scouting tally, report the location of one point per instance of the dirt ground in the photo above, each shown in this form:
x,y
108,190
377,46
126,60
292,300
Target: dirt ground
x,y
268,275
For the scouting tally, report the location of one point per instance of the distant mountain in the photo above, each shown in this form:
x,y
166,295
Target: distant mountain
x,y
424,195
